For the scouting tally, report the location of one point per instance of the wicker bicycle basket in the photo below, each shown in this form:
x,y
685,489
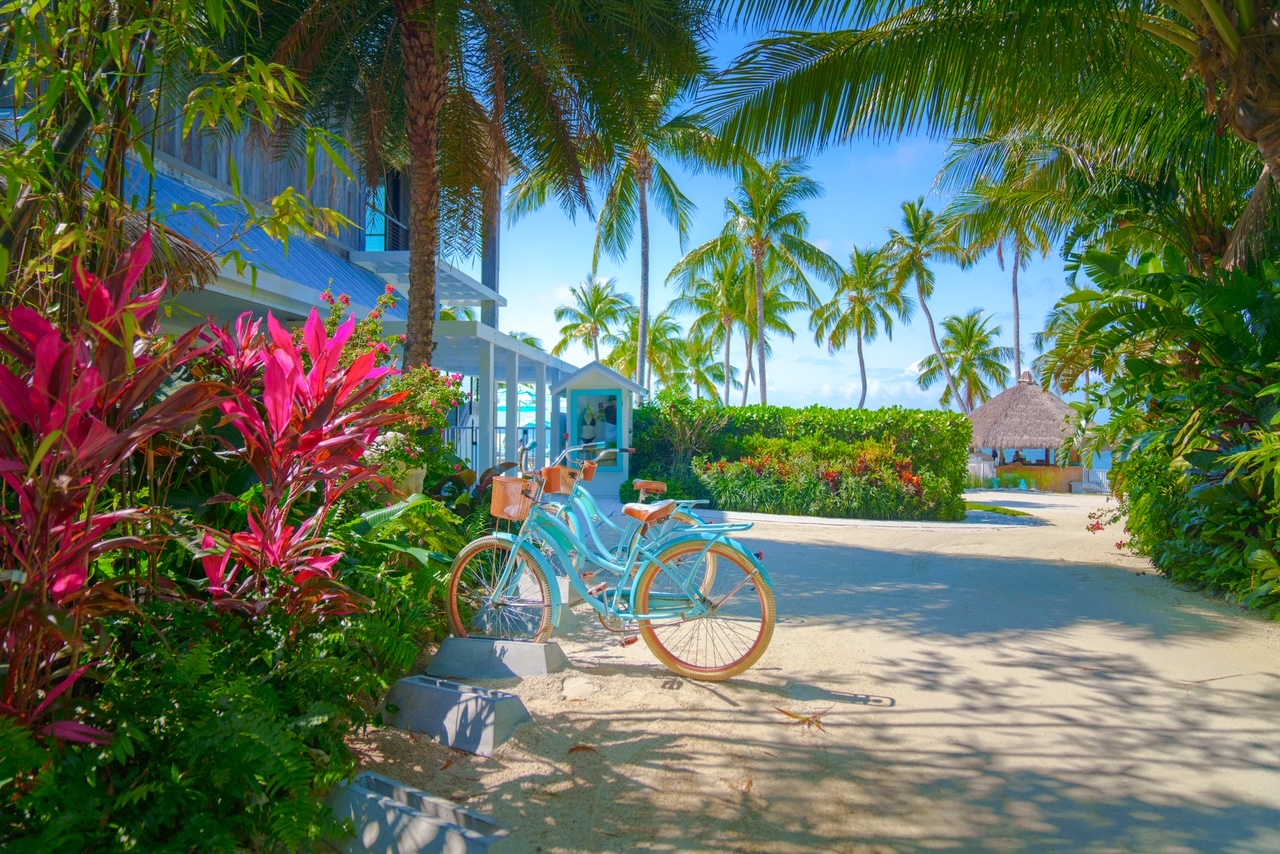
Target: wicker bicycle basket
x,y
510,500
558,479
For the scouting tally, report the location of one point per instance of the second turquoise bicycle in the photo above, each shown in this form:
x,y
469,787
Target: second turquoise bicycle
x,y
702,603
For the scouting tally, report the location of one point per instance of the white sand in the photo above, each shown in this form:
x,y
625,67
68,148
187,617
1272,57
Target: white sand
x,y
989,687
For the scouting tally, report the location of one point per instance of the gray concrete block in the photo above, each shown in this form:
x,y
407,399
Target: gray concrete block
x,y
391,818
492,658
464,717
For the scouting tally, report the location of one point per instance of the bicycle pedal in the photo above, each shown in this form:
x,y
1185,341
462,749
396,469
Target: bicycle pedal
x,y
587,576
628,641
598,589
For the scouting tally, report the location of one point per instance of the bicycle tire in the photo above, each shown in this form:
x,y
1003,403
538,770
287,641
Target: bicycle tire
x,y
685,520
717,646
472,586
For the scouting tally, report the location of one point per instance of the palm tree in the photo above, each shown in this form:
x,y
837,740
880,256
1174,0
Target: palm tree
x,y
924,238
777,307
988,217
865,301
632,174
701,368
947,66
968,347
766,220
527,338
714,287
666,341
599,305
460,93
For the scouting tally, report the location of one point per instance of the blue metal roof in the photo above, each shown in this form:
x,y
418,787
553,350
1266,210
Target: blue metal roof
x,y
214,229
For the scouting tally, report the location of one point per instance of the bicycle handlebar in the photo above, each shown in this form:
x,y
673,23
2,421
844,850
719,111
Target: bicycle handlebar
x,y
591,446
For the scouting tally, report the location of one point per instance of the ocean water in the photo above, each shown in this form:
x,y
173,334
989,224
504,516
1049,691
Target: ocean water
x,y
1101,461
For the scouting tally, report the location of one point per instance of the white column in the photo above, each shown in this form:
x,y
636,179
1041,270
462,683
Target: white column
x,y
557,438
486,408
540,412
512,440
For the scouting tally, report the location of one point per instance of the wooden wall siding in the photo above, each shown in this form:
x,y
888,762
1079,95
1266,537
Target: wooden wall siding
x,y
264,176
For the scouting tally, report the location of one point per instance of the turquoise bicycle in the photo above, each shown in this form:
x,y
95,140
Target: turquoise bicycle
x,y
587,519
700,624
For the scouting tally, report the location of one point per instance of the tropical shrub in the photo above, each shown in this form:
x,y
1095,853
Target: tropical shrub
x,y
812,477
198,699
671,431
1194,410
74,408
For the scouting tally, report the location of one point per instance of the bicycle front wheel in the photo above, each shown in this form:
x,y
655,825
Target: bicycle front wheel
x,y
682,520
487,599
722,643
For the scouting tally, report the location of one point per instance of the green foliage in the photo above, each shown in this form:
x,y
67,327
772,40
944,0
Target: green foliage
x,y
1195,408
671,431
821,477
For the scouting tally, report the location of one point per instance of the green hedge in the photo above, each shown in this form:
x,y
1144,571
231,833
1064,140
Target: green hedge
x,y
670,432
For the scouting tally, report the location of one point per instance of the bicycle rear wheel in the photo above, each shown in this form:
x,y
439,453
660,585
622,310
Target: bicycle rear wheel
x,y
722,643
482,603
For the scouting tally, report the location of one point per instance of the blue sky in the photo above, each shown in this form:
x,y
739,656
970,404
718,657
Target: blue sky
x,y
865,184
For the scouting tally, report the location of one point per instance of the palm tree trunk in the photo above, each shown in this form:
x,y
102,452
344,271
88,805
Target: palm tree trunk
x,y
728,334
595,344
862,369
746,379
760,318
1017,318
642,183
424,97
937,350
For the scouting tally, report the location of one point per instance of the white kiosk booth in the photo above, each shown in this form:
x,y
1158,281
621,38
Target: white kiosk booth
x,y
599,410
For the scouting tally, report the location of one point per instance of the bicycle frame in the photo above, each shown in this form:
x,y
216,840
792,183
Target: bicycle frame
x,y
616,601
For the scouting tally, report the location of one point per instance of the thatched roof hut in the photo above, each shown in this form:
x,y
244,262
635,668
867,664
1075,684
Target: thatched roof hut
x,y
1023,416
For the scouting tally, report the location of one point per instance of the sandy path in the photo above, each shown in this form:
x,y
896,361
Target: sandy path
x,y
991,687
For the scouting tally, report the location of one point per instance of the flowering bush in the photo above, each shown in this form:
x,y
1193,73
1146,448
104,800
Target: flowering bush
x,y
75,406
368,335
868,480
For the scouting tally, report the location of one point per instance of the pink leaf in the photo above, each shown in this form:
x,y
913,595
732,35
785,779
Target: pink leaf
x,y
281,338
277,394
215,567
78,732
62,687
314,337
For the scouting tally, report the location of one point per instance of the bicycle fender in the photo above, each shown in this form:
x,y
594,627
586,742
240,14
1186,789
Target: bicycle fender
x,y
704,538
540,559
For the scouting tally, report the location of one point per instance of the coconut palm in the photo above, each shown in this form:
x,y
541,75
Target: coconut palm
x,y
988,218
968,348
925,237
946,66
778,306
461,93
713,288
527,338
666,341
765,219
634,173
865,301
702,369
598,307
